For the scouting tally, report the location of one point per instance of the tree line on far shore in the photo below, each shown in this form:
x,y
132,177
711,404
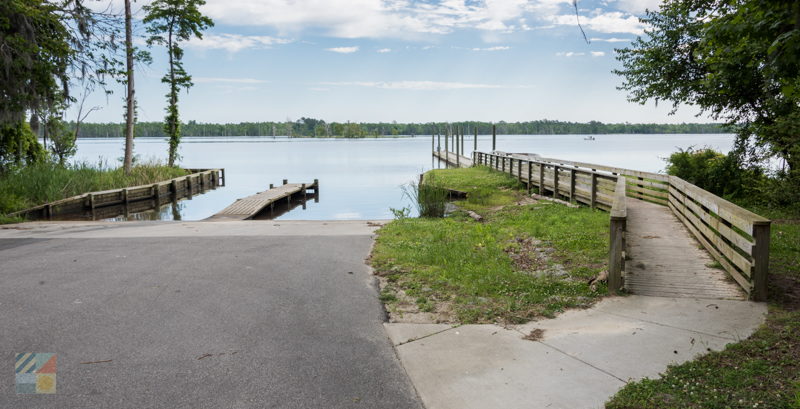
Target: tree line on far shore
x,y
310,127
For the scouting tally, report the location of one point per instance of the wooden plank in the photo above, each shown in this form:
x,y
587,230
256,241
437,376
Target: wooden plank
x,y
248,207
744,264
647,191
611,169
737,216
732,271
761,257
740,241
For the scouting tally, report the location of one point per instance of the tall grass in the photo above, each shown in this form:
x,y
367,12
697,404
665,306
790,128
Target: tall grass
x,y
429,196
40,183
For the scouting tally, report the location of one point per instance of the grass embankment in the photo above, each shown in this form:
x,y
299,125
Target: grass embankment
x,y
762,371
40,183
526,259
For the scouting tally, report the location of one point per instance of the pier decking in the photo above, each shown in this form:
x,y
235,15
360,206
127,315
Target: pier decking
x,y
453,159
248,207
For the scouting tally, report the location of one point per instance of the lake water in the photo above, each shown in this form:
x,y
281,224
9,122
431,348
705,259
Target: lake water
x,y
362,178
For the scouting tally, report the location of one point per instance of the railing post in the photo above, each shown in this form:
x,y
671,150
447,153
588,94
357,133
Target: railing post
x,y
519,169
616,247
572,185
541,179
594,191
530,177
555,182
494,138
475,140
761,234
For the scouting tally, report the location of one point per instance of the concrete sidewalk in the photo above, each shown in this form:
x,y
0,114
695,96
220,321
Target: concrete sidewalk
x,y
582,358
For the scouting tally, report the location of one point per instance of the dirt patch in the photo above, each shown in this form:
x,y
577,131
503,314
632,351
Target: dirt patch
x,y
405,309
785,291
535,335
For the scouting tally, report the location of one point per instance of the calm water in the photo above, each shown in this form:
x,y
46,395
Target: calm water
x,y
362,178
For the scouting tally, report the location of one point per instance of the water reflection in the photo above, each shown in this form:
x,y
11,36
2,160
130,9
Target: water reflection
x,y
362,178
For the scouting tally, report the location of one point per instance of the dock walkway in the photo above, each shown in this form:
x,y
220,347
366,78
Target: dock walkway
x,y
667,237
248,207
665,260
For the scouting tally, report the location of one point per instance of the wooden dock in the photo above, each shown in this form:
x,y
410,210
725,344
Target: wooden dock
x,y
664,260
658,225
248,207
453,159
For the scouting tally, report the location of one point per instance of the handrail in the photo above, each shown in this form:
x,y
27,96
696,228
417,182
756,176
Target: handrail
x,y
737,238
617,229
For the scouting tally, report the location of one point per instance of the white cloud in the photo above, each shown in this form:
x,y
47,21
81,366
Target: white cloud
x,y
598,53
343,50
610,40
385,50
638,6
380,18
421,85
209,80
569,54
235,42
496,48
604,22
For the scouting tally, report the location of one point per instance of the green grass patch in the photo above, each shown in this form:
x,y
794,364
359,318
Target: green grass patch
x,y
493,271
762,371
40,183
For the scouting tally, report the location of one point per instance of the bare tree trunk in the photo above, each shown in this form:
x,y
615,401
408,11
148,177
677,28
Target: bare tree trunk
x,y
131,102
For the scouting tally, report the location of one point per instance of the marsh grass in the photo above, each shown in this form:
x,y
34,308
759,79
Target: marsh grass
x,y
46,182
429,196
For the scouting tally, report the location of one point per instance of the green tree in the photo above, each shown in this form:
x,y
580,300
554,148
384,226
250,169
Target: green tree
x,y
738,60
169,23
18,145
63,139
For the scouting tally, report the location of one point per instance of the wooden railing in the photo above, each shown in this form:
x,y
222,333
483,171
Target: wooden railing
x,y
88,203
575,184
737,238
617,228
592,188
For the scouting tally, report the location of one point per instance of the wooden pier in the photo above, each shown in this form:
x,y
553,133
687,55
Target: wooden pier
x,y
248,207
658,223
453,159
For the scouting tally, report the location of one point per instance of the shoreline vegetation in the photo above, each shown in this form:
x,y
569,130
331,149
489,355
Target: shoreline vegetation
x,y
309,127
525,258
38,183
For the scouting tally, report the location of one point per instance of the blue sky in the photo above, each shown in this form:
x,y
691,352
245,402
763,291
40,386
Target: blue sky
x,y
402,60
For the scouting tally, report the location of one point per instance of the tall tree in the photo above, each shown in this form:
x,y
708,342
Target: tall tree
x,y
130,100
738,60
169,23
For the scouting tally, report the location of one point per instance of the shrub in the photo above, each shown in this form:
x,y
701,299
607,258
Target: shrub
x,y
723,175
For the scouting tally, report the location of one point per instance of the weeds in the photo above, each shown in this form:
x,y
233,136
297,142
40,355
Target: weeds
x,y
40,183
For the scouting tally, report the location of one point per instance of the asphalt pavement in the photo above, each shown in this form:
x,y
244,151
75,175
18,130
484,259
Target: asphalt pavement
x,y
198,315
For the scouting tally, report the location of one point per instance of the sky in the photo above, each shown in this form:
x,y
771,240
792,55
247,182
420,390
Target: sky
x,y
400,60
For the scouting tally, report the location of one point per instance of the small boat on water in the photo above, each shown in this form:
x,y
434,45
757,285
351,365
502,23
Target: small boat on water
x,y
589,138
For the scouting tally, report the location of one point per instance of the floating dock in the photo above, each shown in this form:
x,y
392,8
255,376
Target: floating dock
x,y
248,207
